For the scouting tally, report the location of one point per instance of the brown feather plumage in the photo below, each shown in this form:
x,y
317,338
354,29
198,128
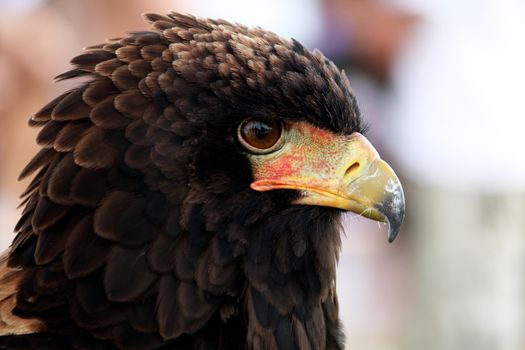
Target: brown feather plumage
x,y
140,230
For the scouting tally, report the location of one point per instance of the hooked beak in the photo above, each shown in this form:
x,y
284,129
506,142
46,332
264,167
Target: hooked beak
x,y
335,171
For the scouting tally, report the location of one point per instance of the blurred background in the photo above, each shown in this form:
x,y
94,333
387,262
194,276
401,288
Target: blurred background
x,y
441,82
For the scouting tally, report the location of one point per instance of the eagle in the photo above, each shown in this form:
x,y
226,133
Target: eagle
x,y
188,194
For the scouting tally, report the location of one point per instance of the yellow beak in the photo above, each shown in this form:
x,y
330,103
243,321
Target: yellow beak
x,y
334,171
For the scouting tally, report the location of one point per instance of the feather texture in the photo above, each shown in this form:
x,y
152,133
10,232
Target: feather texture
x,y
140,230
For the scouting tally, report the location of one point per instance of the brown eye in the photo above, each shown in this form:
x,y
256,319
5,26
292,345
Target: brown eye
x,y
260,136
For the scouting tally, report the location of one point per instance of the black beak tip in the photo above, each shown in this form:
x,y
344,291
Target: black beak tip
x,y
393,208
392,233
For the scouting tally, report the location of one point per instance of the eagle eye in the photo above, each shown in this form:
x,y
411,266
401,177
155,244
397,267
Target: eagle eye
x,y
261,135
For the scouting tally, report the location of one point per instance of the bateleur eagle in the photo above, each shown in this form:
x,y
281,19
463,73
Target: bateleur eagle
x,y
188,195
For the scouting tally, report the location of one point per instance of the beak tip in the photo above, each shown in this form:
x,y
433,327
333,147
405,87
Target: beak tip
x,y
393,209
392,233
394,222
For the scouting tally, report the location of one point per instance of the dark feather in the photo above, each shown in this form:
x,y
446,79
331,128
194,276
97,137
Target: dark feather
x,y
150,52
127,275
121,218
216,280
46,137
44,114
90,293
50,279
106,68
84,252
161,254
128,53
44,181
139,68
108,317
46,214
106,116
73,73
91,58
138,157
98,90
167,307
42,158
136,132
94,151
89,187
131,103
266,314
62,176
184,265
142,316
194,305
51,243
284,336
70,135
123,79
71,107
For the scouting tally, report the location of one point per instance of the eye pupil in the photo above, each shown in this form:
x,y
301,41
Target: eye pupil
x,y
260,136
261,130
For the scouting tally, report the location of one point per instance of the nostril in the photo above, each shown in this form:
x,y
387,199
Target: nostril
x,y
352,168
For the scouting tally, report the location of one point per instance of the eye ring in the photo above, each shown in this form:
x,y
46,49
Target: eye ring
x,y
261,136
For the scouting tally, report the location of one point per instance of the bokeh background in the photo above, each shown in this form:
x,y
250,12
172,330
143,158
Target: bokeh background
x,y
442,84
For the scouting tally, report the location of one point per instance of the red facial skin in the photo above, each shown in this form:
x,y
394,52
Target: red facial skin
x,y
308,152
